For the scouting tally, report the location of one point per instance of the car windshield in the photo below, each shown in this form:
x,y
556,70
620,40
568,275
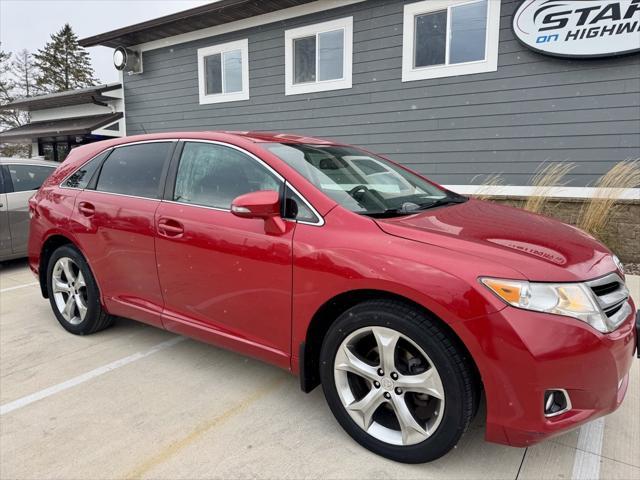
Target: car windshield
x,y
362,182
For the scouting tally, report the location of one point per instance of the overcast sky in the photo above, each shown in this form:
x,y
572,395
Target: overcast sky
x,y
28,23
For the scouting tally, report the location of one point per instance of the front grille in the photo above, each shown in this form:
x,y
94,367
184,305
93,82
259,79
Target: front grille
x,y
612,296
605,289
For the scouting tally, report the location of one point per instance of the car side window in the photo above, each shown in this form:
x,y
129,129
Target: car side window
x,y
296,209
81,177
28,177
214,175
134,170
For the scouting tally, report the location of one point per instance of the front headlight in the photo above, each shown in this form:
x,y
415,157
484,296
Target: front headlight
x,y
568,299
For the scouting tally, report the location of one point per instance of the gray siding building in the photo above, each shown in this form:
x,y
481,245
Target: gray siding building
x,y
469,113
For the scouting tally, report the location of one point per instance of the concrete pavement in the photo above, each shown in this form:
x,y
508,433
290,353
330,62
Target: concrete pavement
x,y
116,405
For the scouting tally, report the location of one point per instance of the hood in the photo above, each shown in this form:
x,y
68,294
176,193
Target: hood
x,y
540,248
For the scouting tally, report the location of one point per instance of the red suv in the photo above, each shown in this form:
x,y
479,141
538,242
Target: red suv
x,y
404,300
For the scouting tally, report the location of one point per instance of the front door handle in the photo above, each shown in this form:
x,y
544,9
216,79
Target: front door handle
x,y
86,209
170,228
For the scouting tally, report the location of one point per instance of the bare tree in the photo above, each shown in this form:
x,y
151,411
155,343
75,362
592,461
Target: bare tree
x,y
16,80
24,72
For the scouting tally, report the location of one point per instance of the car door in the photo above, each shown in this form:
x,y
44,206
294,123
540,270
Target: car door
x,y
224,279
23,180
5,231
113,222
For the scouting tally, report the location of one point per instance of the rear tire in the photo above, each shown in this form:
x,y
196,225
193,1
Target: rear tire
x,y
73,293
417,412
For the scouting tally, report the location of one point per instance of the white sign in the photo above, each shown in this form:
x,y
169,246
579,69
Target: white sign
x,y
579,28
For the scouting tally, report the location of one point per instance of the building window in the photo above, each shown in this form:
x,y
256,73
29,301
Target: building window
x,y
223,72
443,38
319,57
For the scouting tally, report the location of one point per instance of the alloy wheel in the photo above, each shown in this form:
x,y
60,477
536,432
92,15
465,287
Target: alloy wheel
x,y
69,290
389,386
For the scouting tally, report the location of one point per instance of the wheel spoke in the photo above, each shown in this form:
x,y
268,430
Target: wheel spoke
x,y
412,431
346,360
82,308
69,307
427,382
60,287
68,270
367,406
387,341
80,280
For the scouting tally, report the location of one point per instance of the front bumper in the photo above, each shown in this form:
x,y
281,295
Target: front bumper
x,y
521,354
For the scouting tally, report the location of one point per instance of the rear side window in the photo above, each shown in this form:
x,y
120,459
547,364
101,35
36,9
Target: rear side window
x,y
28,177
81,177
134,170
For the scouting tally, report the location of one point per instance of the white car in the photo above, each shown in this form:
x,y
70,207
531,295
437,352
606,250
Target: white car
x,y
20,178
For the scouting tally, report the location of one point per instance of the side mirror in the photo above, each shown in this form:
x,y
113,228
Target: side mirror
x,y
264,204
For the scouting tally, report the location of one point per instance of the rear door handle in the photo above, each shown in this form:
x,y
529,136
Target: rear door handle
x,y
86,209
170,228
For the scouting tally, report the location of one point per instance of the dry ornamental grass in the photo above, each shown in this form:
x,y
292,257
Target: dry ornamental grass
x,y
596,213
547,177
488,186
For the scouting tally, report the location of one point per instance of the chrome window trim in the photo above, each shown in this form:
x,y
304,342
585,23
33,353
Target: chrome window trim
x,y
139,142
240,149
119,194
319,223
183,204
62,184
163,140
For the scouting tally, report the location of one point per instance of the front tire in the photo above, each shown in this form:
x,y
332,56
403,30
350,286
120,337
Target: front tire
x,y
397,382
73,293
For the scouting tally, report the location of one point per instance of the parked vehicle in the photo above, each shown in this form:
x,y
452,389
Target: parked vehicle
x,y
19,179
404,300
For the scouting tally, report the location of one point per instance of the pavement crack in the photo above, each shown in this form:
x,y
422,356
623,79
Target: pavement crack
x,y
522,463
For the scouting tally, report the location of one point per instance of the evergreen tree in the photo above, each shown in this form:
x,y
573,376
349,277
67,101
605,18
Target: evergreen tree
x,y
63,64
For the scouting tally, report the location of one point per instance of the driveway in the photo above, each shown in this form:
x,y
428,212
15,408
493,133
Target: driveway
x,y
137,402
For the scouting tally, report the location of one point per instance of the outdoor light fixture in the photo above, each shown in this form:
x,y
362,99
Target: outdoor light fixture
x,y
127,60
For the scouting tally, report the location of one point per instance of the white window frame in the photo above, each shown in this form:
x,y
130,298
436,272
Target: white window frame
x,y
489,64
243,46
291,88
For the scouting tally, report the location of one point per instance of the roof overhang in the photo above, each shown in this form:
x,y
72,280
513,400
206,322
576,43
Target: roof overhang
x,y
94,95
58,128
205,16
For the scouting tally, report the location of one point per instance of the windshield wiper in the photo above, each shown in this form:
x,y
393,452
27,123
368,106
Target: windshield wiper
x,y
443,201
389,213
399,212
